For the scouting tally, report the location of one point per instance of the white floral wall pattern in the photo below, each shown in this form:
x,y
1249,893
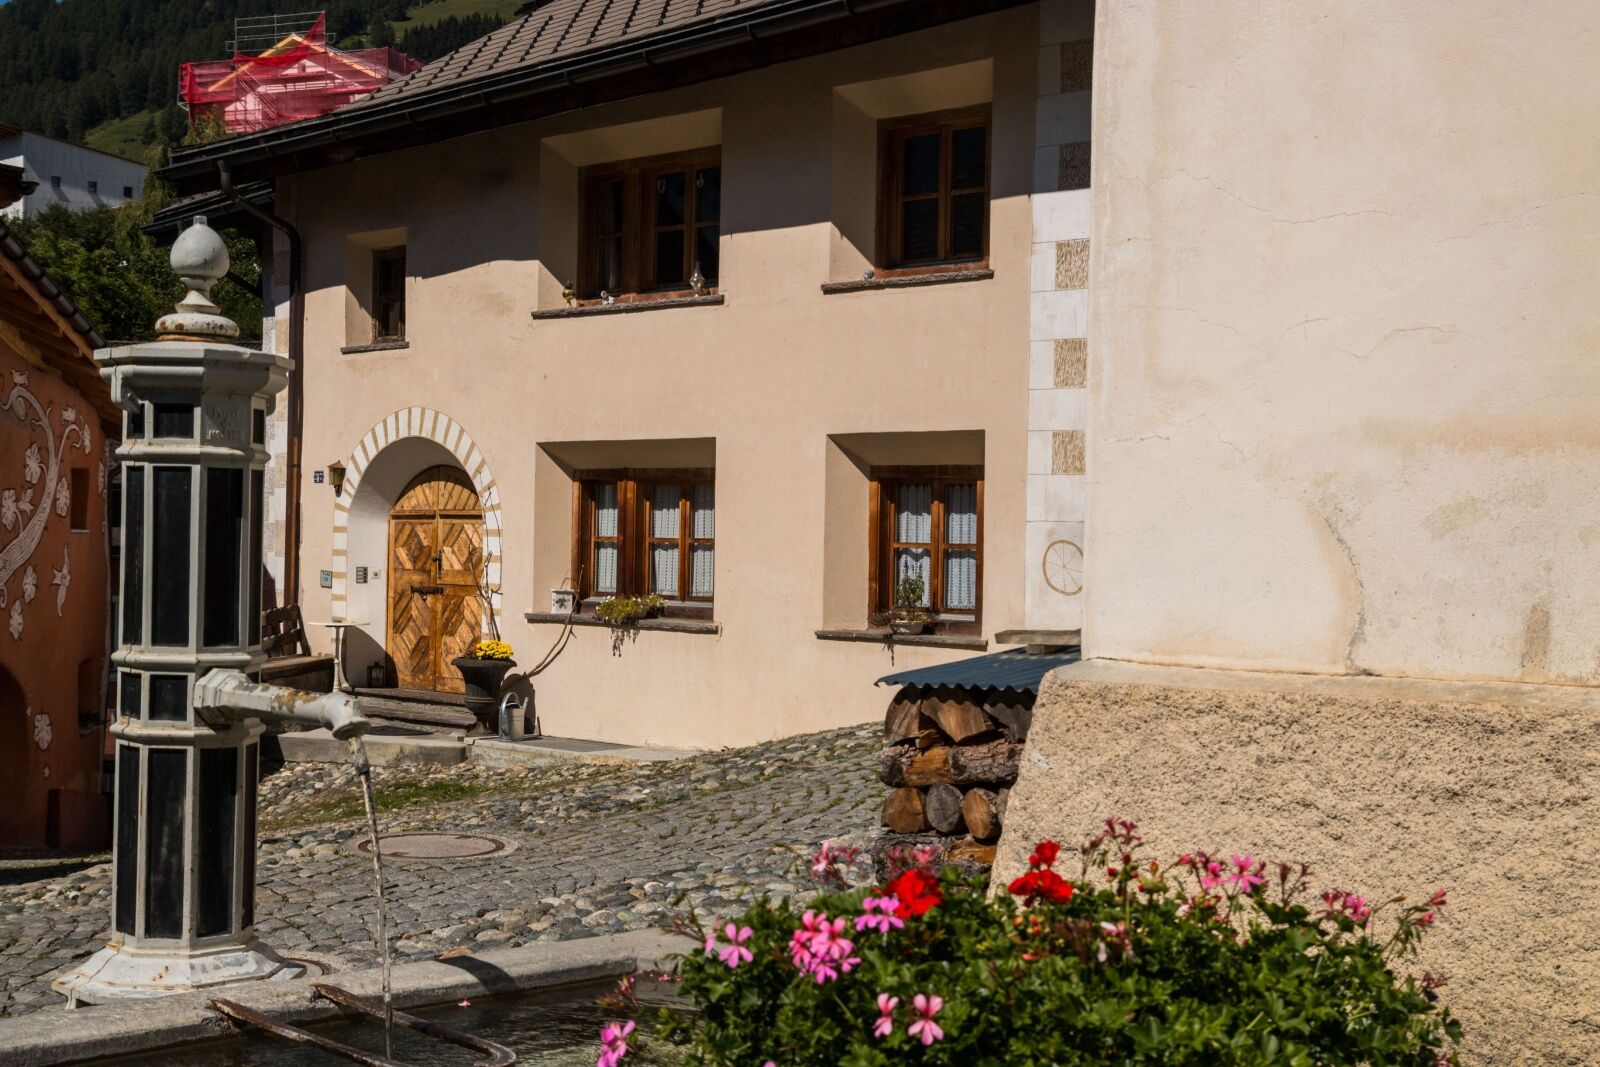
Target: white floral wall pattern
x,y
25,508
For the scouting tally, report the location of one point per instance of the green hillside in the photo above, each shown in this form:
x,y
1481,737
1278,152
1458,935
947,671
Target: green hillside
x,y
124,137
435,11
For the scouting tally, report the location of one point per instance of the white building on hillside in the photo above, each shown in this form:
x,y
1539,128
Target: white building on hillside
x,y
69,174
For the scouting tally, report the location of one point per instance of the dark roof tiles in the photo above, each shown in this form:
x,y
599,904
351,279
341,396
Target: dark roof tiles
x,y
558,30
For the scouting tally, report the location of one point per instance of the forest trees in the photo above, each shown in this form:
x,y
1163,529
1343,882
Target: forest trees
x,y
69,65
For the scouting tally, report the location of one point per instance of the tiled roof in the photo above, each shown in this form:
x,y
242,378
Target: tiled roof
x,y
558,30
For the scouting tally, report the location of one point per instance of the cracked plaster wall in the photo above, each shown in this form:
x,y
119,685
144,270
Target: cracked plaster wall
x,y
1342,339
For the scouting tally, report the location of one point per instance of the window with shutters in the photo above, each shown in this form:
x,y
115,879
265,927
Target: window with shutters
x,y
647,532
928,522
934,201
650,225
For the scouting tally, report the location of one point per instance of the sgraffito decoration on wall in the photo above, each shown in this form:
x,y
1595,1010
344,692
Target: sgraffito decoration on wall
x,y
22,512
1063,567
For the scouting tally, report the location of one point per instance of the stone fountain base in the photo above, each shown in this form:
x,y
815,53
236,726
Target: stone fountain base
x,y
118,972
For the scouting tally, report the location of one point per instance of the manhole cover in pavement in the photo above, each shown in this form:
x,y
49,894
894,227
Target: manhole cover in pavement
x,y
437,846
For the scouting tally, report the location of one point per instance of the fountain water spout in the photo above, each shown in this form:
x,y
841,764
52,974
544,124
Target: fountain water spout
x,y
226,695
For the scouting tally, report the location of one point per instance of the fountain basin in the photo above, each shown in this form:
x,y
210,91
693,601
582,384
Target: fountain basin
x,y
59,1036
549,1028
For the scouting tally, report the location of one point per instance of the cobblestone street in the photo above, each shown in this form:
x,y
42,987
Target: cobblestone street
x,y
598,848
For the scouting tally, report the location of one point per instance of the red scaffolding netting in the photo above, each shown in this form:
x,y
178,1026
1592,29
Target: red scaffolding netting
x,y
300,77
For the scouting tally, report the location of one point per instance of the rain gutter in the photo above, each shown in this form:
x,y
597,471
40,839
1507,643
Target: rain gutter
x,y
297,311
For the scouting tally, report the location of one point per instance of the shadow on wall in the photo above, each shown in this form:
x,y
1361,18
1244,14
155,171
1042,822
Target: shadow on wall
x,y
819,166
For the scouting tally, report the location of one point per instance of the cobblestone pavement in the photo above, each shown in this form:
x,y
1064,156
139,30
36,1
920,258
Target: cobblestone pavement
x,y
599,848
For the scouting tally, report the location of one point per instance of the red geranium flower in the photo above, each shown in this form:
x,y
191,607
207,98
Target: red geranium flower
x,y
915,890
1044,854
1047,884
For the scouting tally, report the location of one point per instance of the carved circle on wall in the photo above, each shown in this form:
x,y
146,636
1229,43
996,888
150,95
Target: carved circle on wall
x,y
1063,567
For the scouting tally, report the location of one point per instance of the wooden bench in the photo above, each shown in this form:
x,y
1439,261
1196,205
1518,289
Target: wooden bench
x,y
290,661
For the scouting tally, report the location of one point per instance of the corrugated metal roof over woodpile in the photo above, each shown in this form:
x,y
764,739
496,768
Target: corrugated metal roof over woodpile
x,y
556,31
1015,669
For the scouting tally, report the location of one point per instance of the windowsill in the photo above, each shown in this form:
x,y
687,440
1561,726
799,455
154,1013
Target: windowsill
x,y
908,281
968,643
672,626
376,346
622,307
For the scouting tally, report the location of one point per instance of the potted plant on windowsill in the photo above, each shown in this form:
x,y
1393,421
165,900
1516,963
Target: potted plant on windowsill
x,y
908,616
617,611
483,670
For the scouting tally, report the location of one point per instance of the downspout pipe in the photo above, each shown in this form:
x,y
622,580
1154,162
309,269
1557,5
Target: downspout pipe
x,y
297,318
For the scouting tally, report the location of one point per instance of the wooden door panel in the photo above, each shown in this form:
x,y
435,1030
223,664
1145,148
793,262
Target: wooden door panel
x,y
435,542
411,630
460,607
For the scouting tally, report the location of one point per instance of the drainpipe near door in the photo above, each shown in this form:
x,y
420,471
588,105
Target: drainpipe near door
x,y
297,313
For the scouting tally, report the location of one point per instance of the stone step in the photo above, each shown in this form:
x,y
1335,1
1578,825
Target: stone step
x,y
422,714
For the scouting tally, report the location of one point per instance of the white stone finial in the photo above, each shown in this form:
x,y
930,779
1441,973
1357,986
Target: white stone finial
x,y
199,258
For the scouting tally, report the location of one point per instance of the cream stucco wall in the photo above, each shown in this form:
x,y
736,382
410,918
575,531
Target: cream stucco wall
x,y
1343,335
779,378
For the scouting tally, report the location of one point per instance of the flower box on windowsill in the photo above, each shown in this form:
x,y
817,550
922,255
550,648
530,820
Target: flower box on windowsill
x,y
637,302
910,279
674,625
964,642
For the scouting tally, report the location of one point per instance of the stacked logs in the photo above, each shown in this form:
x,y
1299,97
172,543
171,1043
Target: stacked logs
x,y
950,757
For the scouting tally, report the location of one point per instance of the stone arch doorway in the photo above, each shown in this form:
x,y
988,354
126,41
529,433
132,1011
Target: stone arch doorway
x,y
435,563
379,471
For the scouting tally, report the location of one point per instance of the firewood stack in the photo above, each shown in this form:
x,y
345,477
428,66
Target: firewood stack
x,y
950,758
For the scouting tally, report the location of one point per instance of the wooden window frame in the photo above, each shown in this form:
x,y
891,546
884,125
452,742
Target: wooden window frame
x,y
380,257
638,225
633,534
882,544
892,133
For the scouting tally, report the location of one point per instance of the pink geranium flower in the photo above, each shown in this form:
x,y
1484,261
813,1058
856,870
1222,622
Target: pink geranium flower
x,y
736,953
885,1024
1247,873
925,1029
820,949
614,1043
879,913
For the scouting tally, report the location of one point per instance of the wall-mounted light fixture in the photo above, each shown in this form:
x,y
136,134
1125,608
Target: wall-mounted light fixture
x,y
336,477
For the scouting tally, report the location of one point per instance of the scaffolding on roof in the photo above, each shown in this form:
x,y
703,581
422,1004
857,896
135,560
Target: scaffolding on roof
x,y
298,76
257,33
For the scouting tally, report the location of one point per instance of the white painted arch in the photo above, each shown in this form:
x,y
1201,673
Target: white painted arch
x,y
414,436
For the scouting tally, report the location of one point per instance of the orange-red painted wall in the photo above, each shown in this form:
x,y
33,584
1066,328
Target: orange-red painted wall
x,y
53,608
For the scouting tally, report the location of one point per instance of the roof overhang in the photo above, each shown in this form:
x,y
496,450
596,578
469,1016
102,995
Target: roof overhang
x,y
218,209
741,41
34,310
14,185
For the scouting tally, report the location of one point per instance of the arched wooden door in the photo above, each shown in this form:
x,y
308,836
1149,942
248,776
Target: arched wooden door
x,y
435,564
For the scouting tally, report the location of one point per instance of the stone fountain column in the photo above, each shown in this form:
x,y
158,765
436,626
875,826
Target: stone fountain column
x,y
193,456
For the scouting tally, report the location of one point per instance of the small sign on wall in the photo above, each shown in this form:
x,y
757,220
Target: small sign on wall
x,y
327,579
361,576
317,477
